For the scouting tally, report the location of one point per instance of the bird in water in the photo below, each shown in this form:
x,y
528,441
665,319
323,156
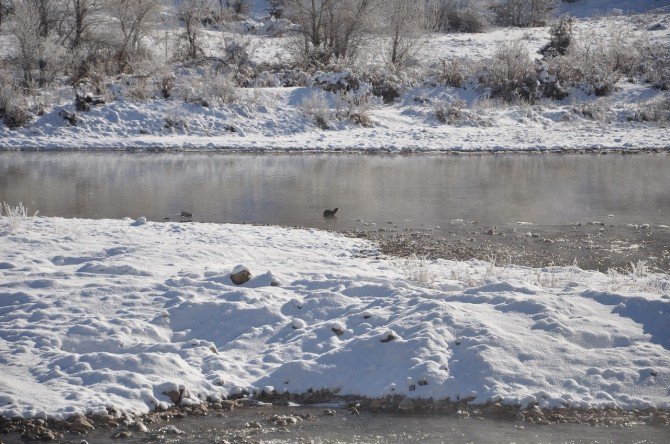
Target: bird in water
x,y
330,213
186,214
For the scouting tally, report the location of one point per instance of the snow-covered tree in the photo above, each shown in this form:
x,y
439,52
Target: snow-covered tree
x,y
331,27
405,24
79,19
37,54
133,18
192,14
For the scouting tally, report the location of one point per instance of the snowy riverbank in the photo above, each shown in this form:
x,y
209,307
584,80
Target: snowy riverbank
x,y
102,313
276,122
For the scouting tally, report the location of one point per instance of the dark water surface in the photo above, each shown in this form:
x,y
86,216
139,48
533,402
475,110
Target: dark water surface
x,y
286,189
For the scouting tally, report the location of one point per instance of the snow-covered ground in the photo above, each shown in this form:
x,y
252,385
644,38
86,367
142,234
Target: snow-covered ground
x,y
100,313
273,119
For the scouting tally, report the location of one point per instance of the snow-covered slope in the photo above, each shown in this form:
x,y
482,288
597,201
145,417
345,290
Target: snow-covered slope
x,y
116,313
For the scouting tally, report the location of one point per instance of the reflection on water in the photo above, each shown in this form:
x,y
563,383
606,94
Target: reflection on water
x,y
295,189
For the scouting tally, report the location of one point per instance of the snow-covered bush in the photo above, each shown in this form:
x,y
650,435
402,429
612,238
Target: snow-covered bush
x,y
15,216
656,111
132,20
236,51
511,75
595,62
165,84
417,269
330,29
453,72
592,110
139,89
384,84
524,13
222,89
655,66
462,16
175,122
338,81
316,107
355,107
13,109
455,113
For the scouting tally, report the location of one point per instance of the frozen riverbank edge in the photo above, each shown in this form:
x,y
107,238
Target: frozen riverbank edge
x,y
187,148
125,317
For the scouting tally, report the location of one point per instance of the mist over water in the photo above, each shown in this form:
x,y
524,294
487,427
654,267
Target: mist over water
x,y
291,189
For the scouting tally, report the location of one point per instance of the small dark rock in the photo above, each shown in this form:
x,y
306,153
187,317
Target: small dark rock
x,y
240,275
69,117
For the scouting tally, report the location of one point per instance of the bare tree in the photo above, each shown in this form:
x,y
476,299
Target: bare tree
x,y
405,24
36,53
133,18
79,18
331,27
192,14
45,10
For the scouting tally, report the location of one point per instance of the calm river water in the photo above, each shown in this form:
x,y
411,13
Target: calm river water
x,y
295,189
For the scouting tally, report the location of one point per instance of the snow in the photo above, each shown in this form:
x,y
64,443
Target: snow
x,y
276,122
108,313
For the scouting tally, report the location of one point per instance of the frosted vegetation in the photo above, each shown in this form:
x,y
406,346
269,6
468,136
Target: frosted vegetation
x,y
145,69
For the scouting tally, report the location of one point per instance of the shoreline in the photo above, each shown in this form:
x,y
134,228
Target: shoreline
x,y
233,149
124,426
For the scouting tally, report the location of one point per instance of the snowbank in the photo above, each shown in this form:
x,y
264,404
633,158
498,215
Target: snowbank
x,y
110,313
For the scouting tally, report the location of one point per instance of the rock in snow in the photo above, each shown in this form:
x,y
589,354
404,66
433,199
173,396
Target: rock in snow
x,y
128,318
240,275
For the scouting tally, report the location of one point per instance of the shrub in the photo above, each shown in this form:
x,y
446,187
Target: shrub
x,y
468,19
317,108
139,89
387,86
596,62
455,113
655,66
655,111
511,74
175,122
354,107
338,81
12,109
165,84
591,110
524,13
453,72
560,37
222,89
15,215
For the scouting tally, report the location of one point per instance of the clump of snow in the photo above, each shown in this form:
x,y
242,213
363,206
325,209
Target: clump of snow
x,y
141,319
240,268
298,324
